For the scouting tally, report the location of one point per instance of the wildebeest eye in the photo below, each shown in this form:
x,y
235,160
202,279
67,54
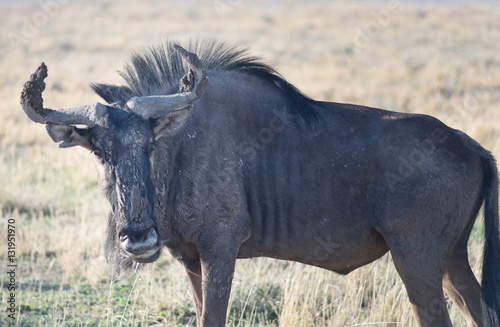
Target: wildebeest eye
x,y
152,146
97,153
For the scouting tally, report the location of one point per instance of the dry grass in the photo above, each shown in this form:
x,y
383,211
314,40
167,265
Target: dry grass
x,y
437,59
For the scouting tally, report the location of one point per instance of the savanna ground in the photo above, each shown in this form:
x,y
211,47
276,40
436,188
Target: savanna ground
x,y
439,59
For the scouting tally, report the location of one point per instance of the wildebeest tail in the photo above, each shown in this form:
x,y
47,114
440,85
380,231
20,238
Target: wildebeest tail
x,y
490,288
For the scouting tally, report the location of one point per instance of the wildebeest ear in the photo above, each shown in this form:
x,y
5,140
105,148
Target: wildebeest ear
x,y
68,135
172,122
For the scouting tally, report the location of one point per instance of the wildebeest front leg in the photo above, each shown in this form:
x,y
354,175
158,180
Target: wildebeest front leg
x,y
217,265
196,287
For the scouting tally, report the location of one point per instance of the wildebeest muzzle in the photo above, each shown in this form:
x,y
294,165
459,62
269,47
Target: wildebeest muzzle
x,y
141,245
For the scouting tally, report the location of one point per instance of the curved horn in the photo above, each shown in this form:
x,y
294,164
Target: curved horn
x,y
32,104
157,106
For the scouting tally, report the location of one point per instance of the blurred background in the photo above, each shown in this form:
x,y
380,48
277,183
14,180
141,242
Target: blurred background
x,y
435,57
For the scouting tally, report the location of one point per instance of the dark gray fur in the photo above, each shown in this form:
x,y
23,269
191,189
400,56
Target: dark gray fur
x,y
259,169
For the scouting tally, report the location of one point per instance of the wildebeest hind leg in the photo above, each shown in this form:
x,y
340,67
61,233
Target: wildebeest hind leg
x,y
422,276
462,286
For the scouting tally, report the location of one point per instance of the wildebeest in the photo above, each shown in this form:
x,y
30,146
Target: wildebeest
x,y
229,161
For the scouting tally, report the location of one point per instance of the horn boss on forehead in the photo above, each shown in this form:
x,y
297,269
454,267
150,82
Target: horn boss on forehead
x,y
157,106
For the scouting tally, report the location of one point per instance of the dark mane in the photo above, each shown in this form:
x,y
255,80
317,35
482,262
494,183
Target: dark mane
x,y
159,70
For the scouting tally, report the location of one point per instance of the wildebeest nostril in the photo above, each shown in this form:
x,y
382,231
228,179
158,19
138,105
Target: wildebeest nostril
x,y
152,234
123,237
138,242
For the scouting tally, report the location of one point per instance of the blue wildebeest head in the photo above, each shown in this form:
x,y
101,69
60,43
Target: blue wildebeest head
x,y
122,137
